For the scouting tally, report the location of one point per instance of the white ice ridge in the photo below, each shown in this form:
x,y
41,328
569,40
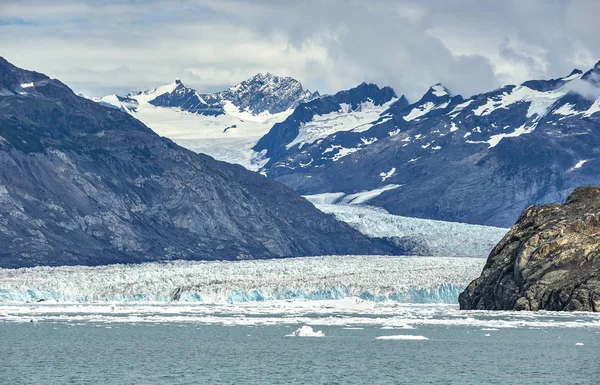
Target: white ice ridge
x,y
370,278
446,239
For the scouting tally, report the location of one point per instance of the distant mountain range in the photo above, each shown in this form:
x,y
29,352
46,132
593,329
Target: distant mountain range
x,y
226,124
481,159
82,184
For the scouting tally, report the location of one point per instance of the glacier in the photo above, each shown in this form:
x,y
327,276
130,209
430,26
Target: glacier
x,y
439,238
367,278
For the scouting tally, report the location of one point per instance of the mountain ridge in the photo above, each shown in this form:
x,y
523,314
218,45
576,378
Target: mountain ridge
x,y
524,143
84,184
506,149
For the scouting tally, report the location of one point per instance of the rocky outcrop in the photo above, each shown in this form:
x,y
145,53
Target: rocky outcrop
x,y
550,260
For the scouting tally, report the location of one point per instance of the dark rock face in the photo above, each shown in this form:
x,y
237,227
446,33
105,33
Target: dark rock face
x,y
84,184
187,99
550,260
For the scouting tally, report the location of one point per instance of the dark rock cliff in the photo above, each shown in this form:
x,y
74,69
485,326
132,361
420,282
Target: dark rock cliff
x,y
550,260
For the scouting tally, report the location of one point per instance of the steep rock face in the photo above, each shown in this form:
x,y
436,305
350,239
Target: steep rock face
x,y
84,184
550,260
187,99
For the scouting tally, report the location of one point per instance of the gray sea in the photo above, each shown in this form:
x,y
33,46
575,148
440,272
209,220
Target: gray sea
x,y
72,349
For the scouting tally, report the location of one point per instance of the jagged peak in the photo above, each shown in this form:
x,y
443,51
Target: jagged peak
x,y
439,90
267,76
437,93
264,75
5,62
372,86
367,91
593,72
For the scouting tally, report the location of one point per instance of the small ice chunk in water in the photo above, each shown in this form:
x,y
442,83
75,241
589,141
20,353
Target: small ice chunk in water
x,y
579,344
401,337
307,331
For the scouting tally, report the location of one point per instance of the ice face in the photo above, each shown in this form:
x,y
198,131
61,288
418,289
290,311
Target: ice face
x,y
370,278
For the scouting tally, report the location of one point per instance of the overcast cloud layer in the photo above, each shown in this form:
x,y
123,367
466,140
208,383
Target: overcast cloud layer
x,y
102,47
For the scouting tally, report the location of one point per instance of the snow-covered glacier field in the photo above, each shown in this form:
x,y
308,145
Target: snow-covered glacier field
x,y
368,278
439,238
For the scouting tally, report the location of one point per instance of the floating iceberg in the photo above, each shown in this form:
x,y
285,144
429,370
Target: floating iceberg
x,y
307,331
401,337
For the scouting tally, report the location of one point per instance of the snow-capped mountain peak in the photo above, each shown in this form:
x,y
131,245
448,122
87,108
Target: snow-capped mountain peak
x,y
265,92
438,98
439,90
223,124
593,75
479,144
575,74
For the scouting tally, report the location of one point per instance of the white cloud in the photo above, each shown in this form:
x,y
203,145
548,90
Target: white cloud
x,y
470,46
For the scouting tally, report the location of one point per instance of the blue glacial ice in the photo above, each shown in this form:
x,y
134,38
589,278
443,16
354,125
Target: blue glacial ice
x,y
370,278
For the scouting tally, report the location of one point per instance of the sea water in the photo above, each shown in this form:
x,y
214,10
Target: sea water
x,y
253,343
321,320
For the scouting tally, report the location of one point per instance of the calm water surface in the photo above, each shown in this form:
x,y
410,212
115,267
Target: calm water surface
x,y
123,353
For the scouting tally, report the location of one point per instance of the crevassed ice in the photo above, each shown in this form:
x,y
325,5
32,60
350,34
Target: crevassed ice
x,y
448,239
371,278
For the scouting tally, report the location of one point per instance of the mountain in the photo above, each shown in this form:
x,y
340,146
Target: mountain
x,y
339,119
265,93
479,160
83,184
226,124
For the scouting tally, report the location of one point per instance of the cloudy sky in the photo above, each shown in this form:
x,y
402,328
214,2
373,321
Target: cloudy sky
x,y
103,46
